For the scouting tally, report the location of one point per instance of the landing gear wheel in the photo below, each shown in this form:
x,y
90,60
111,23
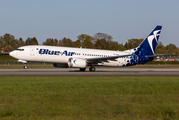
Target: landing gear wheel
x,y
92,69
82,69
25,66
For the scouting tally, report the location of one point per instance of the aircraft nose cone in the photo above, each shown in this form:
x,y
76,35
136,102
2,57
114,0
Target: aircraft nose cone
x,y
12,53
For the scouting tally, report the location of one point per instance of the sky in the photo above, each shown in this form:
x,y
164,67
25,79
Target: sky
x,y
122,19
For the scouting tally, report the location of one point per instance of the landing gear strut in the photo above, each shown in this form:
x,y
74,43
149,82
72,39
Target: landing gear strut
x,y
92,69
25,66
82,69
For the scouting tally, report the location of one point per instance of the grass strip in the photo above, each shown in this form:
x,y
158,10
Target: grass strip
x,y
89,98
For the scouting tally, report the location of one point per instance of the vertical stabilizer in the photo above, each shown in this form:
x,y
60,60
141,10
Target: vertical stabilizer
x,y
148,46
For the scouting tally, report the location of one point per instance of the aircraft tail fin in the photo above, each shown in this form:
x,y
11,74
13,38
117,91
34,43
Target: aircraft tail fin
x,y
148,46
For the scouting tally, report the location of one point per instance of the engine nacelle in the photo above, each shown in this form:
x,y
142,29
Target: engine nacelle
x,y
76,62
60,65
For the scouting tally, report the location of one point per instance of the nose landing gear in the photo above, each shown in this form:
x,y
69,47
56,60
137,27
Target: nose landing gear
x,y
25,66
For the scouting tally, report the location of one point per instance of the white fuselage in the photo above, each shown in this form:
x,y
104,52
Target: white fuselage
x,y
52,54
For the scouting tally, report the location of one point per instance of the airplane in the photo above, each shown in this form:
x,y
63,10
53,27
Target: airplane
x,y
69,57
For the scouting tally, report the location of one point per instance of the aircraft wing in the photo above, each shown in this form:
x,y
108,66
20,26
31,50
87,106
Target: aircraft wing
x,y
105,59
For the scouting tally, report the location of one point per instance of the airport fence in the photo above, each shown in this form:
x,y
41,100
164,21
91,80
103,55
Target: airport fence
x,y
163,63
15,62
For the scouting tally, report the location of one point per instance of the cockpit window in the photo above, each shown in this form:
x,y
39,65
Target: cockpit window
x,y
20,49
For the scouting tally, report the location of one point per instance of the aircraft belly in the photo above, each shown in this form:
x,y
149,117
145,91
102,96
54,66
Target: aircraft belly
x,y
112,64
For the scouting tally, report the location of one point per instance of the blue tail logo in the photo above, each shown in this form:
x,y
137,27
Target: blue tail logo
x,y
145,51
153,37
149,45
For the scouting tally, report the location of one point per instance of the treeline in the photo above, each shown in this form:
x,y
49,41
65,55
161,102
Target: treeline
x,y
98,41
9,43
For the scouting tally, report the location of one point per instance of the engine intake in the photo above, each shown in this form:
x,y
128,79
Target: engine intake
x,y
76,62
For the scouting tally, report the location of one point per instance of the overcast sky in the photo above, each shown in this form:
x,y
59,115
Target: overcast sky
x,y
122,19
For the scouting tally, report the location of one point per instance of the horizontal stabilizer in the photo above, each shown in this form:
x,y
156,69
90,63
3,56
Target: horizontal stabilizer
x,y
156,55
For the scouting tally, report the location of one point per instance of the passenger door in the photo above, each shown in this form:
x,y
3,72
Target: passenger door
x,y
32,51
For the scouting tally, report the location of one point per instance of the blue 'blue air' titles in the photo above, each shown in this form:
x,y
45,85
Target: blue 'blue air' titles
x,y
50,52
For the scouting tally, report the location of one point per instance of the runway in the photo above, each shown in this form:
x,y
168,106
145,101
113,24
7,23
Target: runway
x,y
98,72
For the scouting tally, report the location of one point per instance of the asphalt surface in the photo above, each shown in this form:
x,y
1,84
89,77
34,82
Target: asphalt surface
x,y
98,72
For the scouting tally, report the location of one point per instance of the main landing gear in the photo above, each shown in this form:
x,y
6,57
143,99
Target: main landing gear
x,y
92,69
25,66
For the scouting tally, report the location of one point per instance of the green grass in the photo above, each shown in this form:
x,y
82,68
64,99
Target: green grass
x,y
100,98
6,57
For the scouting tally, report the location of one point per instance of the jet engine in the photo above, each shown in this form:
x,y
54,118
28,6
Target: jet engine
x,y
76,62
